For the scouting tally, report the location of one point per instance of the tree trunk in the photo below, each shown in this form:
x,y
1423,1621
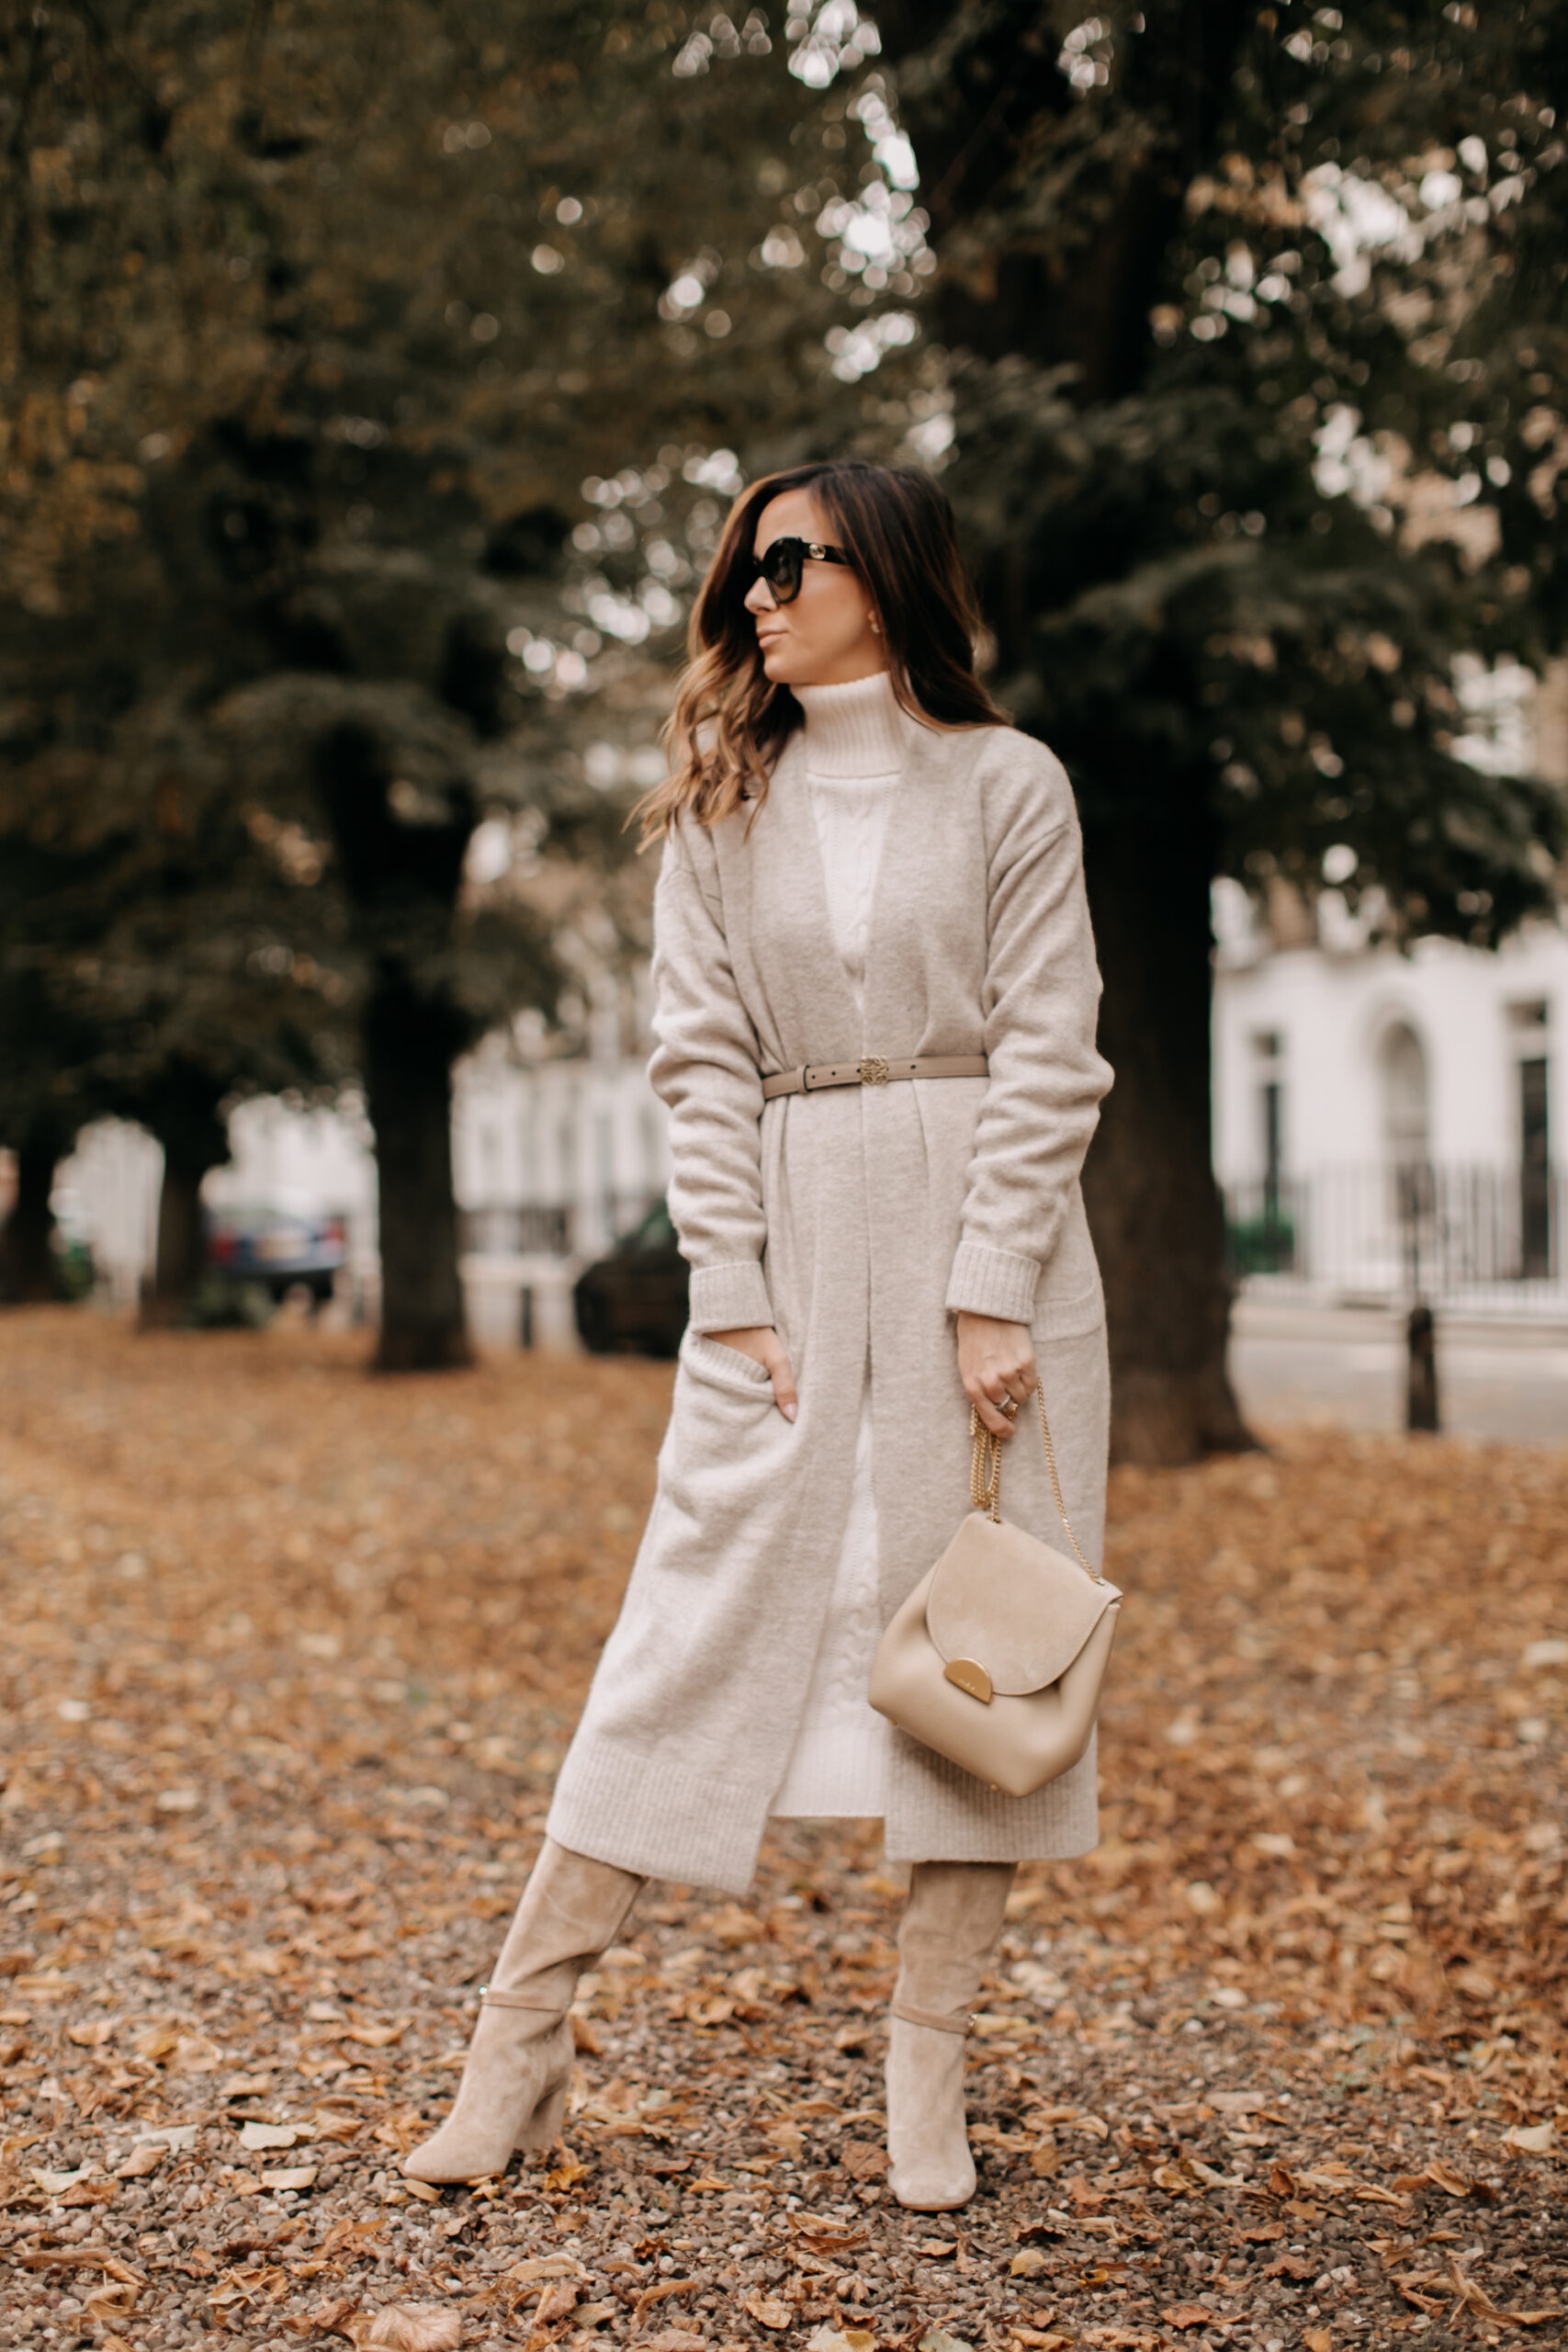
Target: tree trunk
x,y
183,1108
410,1043
1061,265
1154,1206
181,1258
28,1272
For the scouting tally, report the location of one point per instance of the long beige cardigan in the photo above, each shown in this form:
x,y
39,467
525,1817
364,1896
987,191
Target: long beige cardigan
x,y
856,1216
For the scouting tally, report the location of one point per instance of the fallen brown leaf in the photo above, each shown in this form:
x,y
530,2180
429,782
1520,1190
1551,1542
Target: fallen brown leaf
x,y
658,2293
412,2328
557,2299
110,2302
767,2310
269,2135
328,2318
1289,2266
541,2265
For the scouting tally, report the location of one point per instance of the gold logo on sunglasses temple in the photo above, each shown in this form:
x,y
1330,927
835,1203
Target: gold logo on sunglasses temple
x,y
781,563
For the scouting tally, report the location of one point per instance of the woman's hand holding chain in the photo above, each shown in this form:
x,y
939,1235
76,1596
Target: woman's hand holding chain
x,y
996,1362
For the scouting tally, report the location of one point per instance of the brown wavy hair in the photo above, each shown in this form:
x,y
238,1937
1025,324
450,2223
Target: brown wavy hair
x,y
730,720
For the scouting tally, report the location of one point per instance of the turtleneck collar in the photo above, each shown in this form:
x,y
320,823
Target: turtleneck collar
x,y
855,729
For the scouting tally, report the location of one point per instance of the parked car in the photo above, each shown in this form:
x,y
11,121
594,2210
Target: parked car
x,y
635,1301
277,1247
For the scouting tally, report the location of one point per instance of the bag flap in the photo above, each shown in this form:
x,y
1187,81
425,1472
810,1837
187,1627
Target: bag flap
x,y
1022,1611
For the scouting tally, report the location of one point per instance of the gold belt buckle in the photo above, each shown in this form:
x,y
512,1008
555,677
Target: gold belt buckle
x,y
874,1071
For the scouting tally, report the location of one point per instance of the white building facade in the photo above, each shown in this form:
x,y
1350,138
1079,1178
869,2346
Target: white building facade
x,y
1387,1124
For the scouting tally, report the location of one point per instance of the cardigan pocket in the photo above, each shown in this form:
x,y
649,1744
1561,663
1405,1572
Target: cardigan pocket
x,y
724,1452
1068,1319
712,1361
1069,1300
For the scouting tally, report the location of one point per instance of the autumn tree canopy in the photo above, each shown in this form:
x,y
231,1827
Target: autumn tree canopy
x,y
1258,350
377,377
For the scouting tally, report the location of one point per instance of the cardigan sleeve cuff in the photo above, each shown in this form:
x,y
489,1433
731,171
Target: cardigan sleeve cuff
x,y
992,1282
730,1298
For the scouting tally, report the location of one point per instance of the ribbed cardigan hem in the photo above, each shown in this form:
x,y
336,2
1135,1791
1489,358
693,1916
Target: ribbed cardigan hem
x,y
992,1282
936,1813
732,1298
659,1818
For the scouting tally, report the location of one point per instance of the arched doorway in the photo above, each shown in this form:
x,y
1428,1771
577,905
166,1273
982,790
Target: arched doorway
x,y
1402,1061
1406,1135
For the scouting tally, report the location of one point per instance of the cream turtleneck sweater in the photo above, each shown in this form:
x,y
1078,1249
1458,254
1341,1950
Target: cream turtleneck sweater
x,y
856,738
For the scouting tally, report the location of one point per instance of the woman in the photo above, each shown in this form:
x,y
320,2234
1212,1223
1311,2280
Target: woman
x,y
867,874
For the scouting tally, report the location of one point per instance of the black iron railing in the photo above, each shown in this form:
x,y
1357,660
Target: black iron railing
x,y
525,1232
1415,1227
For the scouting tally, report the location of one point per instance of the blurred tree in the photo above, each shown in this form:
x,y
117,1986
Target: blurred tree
x,y
1258,317
319,317
145,965
39,1120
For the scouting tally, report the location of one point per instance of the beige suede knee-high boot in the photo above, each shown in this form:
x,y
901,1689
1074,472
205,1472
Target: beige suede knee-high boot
x,y
947,1934
514,2084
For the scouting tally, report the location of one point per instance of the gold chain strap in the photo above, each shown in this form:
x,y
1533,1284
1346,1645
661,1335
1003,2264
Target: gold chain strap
x,y
985,1472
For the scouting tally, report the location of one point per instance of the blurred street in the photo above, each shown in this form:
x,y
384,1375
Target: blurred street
x,y
1343,1367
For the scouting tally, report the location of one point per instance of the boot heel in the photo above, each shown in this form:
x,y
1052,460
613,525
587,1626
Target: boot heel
x,y
544,2127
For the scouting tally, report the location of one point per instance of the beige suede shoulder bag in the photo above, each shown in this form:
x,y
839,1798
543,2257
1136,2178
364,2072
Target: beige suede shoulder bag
x,y
997,1657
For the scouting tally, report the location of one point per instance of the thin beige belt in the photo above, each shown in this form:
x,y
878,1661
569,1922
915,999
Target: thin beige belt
x,y
871,1071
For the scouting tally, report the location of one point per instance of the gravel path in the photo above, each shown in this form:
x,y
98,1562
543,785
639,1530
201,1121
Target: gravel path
x,y
289,1658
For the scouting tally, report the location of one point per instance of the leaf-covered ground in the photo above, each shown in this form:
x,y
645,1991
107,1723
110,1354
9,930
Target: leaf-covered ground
x,y
289,1657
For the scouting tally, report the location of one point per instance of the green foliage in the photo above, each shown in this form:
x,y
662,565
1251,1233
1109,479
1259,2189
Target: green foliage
x,y
375,375
318,320
1262,413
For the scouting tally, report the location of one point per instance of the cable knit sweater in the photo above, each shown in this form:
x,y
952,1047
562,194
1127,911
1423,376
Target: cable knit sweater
x,y
855,740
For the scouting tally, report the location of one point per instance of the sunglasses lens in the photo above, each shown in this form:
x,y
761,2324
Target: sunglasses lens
x,y
780,569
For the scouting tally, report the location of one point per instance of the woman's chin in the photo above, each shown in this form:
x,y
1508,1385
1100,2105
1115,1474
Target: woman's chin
x,y
787,665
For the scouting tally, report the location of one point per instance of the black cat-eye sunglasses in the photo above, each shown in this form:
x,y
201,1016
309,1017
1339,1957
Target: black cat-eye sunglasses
x,y
783,560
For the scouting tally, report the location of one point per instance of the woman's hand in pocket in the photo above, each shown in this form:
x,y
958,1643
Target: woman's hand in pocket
x,y
764,1345
996,1360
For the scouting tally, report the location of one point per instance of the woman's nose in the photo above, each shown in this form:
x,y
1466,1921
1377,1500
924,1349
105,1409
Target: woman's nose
x,y
759,597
